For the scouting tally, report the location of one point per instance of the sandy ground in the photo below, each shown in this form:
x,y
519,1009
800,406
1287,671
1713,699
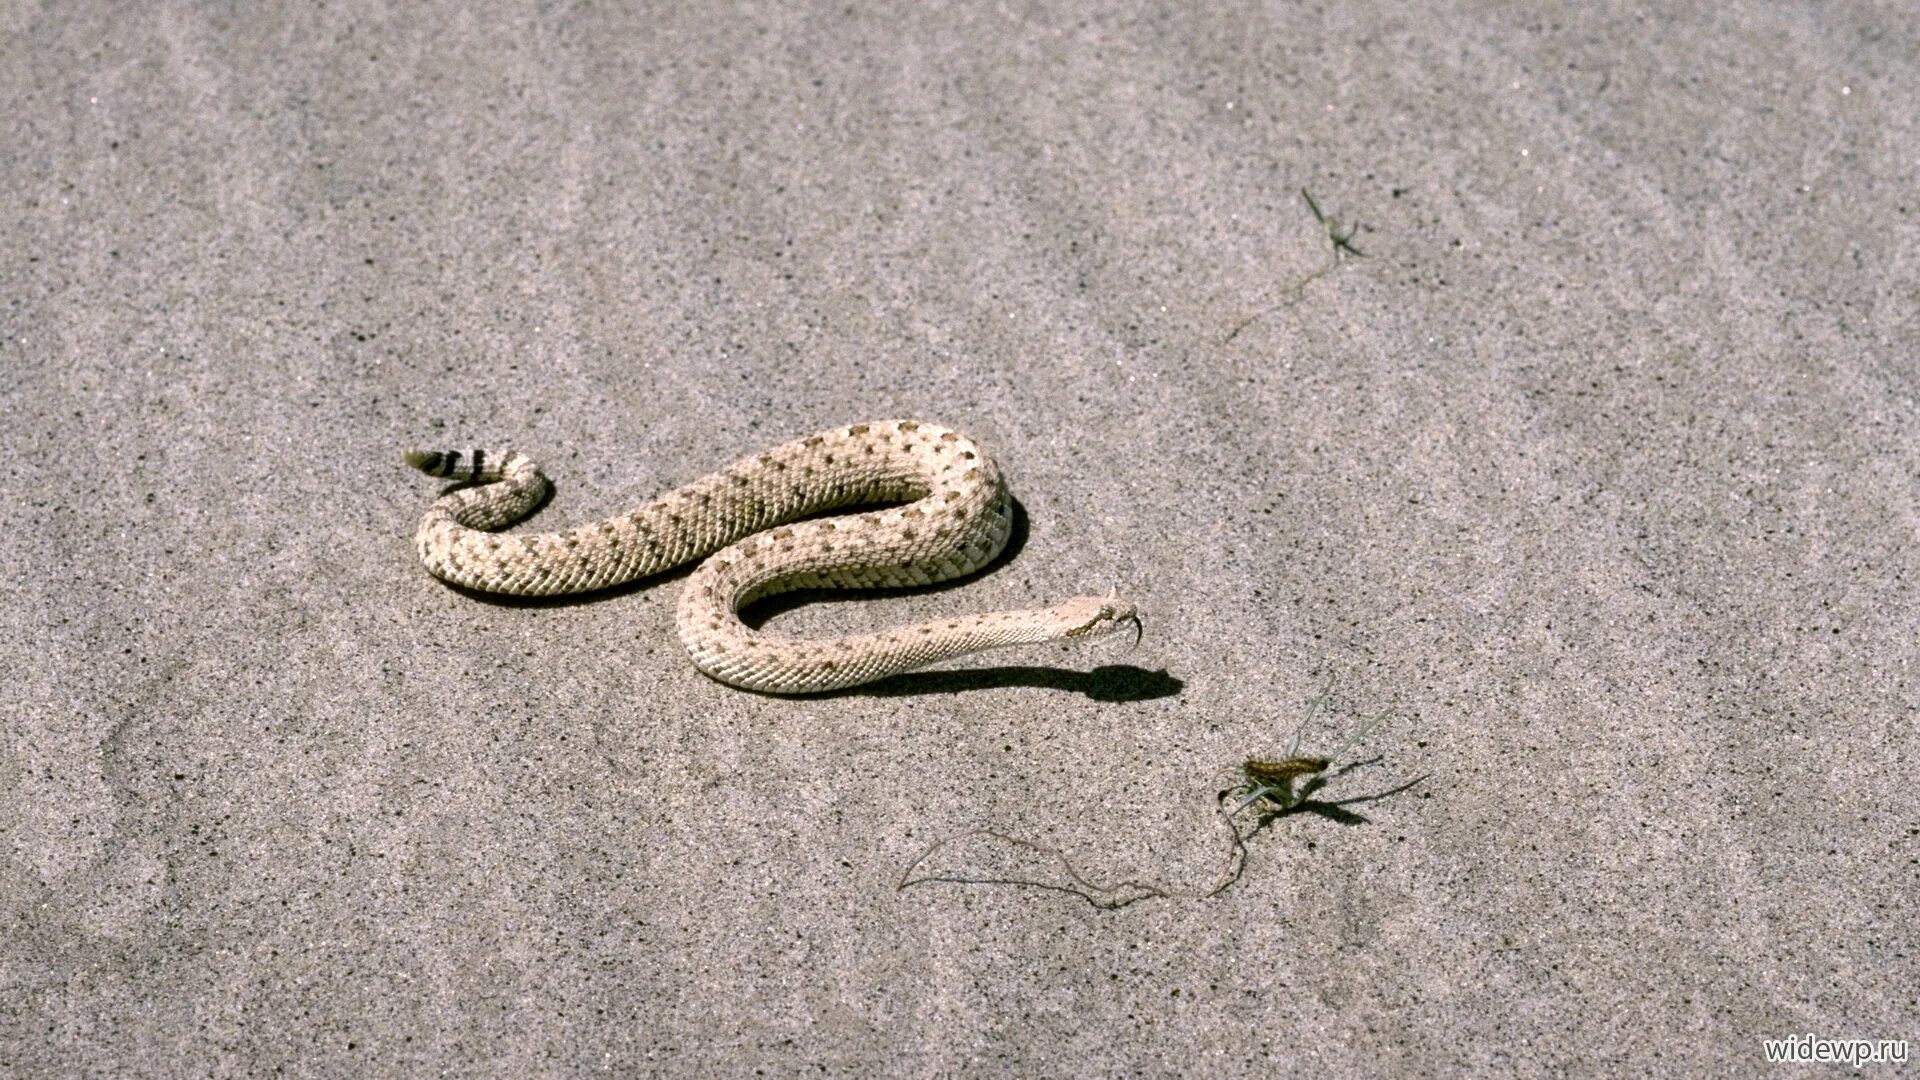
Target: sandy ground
x,y
1593,470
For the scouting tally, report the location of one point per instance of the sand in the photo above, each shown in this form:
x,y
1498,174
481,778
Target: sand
x,y
1589,462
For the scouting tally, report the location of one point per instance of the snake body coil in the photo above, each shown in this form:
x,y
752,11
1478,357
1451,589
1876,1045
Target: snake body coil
x,y
956,517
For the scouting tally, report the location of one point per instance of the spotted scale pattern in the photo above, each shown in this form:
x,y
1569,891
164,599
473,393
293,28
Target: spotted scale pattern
x,y
954,518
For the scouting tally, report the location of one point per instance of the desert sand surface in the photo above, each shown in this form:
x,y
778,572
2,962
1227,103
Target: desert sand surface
x,y
1572,431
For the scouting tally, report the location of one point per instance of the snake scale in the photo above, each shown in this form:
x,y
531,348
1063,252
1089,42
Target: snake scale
x,y
754,524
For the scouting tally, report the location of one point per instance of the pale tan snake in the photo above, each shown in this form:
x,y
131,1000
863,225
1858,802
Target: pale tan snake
x,y
956,518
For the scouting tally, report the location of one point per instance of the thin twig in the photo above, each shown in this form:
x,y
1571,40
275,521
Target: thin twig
x,y
1341,239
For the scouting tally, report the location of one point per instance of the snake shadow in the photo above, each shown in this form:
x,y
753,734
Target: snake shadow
x,y
1112,682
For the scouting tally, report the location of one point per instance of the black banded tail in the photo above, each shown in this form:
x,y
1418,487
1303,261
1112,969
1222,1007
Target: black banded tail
x,y
458,467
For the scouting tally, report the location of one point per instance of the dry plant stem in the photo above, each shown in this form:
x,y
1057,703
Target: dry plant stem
x,y
1268,781
1094,893
1341,237
1101,896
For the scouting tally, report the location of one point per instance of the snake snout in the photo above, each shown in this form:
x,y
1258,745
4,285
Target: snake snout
x,y
1093,615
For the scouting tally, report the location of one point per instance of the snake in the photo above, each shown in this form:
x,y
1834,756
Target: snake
x,y
943,511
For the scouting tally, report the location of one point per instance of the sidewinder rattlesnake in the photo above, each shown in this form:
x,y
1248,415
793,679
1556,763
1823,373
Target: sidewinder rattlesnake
x,y
956,518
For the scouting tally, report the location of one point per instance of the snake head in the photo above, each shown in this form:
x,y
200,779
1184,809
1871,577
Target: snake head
x,y
1092,616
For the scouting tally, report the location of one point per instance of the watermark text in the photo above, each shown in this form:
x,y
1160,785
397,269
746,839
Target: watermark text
x,y
1810,1047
